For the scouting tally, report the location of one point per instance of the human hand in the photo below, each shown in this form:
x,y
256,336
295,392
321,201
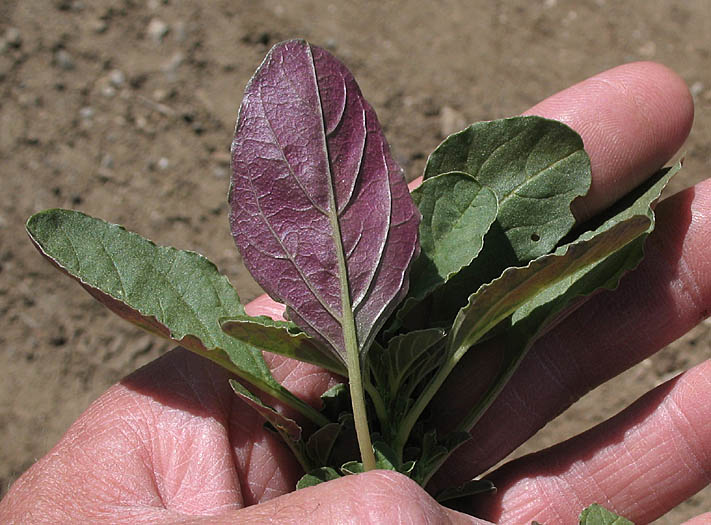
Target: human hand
x,y
171,443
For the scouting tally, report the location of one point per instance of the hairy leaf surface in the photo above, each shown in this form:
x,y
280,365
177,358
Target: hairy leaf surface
x,y
457,211
176,294
392,365
499,299
535,166
319,209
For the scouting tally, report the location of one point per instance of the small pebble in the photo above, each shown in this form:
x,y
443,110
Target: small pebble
x,y
117,78
64,60
696,88
86,112
648,49
174,63
163,163
13,37
157,29
108,91
161,95
107,161
98,26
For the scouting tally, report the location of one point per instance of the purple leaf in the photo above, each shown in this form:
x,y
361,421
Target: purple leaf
x,y
316,197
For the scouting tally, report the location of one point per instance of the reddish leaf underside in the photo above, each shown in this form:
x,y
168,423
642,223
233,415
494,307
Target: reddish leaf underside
x,y
312,177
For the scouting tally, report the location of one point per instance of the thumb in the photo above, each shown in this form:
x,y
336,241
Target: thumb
x,y
375,497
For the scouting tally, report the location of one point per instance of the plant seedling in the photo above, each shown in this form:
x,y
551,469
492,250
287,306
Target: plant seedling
x,y
386,288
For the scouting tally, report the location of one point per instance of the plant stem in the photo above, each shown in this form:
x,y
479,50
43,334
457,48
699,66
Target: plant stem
x,y
378,403
350,341
360,415
426,396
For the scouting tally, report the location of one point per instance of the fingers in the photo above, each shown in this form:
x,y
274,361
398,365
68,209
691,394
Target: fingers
x,y
632,119
377,497
171,440
641,463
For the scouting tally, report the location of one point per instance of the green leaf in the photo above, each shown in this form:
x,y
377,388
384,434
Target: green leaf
x,y
284,425
395,363
434,451
336,400
541,290
596,514
316,476
281,337
456,213
352,467
385,459
607,273
533,317
535,166
321,442
176,294
499,299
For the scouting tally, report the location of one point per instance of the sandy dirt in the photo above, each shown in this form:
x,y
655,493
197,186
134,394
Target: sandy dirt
x,y
125,110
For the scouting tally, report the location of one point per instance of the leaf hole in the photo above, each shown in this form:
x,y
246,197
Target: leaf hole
x,y
535,237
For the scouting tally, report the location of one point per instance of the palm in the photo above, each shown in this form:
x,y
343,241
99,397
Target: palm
x,y
172,440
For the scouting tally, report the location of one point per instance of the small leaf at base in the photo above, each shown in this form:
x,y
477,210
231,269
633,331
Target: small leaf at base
x,y
316,476
596,514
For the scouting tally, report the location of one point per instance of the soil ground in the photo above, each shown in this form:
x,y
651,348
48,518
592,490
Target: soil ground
x,y
125,110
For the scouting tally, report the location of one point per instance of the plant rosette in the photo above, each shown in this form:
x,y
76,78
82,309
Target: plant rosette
x,y
386,288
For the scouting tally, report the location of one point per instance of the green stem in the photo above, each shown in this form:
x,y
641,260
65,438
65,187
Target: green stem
x,y
378,403
350,341
360,415
426,396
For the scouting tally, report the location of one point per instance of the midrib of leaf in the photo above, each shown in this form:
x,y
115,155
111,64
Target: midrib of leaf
x,y
460,220
323,302
515,191
348,328
113,265
502,145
